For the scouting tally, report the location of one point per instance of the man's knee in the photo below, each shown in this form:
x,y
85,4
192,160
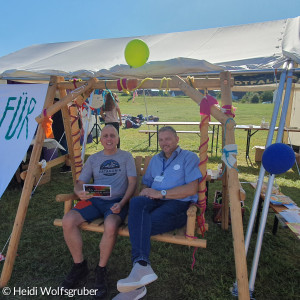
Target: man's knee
x,y
139,202
111,225
71,219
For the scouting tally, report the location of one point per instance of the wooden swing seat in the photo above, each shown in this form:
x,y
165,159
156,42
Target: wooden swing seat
x,y
183,236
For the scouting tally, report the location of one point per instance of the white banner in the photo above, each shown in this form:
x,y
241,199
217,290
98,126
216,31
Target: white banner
x,y
20,104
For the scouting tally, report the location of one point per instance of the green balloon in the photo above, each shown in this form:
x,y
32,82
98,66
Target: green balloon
x,y
136,53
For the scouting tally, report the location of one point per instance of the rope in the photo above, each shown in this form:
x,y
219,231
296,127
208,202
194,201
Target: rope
x,y
2,257
43,165
194,252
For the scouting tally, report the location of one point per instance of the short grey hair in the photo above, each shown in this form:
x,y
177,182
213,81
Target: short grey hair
x,y
167,128
110,126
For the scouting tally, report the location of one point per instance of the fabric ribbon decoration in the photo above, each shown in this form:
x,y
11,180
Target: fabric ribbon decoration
x,y
47,125
122,85
229,110
227,155
86,106
206,104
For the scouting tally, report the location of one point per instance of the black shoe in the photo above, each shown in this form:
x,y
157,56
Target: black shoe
x,y
65,169
76,276
100,282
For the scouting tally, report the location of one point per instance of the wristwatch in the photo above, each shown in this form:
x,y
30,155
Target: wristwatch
x,y
164,193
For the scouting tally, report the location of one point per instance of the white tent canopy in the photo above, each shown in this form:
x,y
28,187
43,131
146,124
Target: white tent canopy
x,y
246,47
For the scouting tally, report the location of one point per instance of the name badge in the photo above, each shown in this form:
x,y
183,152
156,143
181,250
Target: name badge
x,y
159,178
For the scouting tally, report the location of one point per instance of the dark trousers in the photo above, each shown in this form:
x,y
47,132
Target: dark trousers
x,y
149,217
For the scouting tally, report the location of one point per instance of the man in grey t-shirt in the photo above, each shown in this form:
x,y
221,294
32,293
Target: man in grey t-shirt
x,y
113,167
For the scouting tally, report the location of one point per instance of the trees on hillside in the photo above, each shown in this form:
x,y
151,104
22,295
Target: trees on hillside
x,y
257,97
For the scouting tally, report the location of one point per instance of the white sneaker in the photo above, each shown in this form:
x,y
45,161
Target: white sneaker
x,y
133,295
139,276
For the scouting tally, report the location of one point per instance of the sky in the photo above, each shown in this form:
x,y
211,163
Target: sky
x,y
30,22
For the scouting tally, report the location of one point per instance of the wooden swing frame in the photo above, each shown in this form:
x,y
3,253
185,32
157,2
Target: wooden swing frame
x,y
82,90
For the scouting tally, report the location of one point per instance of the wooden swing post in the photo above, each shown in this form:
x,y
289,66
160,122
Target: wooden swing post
x,y
67,126
203,162
26,192
68,132
232,180
225,196
234,197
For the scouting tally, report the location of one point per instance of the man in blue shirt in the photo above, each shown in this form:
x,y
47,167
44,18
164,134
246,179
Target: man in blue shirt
x,y
171,182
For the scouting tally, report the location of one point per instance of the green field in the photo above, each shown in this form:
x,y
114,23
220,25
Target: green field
x,y
43,258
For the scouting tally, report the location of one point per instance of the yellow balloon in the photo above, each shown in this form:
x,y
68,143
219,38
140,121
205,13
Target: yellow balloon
x,y
136,53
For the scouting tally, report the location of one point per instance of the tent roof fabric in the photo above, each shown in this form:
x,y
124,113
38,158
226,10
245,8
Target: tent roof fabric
x,y
246,47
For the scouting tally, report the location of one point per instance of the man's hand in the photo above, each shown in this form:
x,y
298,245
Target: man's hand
x,y
116,208
151,193
83,195
80,192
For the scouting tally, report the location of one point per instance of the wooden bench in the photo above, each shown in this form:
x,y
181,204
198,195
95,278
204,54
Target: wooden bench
x,y
277,209
178,236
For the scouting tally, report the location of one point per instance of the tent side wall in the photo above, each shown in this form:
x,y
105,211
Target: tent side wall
x,y
294,137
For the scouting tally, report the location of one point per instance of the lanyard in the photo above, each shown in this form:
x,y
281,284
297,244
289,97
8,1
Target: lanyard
x,y
165,167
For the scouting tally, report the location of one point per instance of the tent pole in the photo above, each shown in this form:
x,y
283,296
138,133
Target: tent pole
x,y
262,169
285,138
264,215
26,192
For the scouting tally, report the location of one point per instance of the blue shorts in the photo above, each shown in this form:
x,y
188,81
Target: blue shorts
x,y
95,208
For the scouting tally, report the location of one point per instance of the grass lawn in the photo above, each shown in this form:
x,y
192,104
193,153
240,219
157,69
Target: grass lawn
x,y
43,258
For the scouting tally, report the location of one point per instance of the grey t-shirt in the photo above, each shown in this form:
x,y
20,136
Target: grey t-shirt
x,y
109,170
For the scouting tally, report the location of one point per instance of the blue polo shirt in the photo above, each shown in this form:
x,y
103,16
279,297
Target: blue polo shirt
x,y
181,168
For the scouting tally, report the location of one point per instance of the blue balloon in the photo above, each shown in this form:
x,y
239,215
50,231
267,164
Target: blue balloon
x,y
278,158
